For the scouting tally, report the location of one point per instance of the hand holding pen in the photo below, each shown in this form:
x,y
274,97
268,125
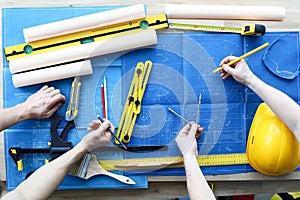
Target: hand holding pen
x,y
112,133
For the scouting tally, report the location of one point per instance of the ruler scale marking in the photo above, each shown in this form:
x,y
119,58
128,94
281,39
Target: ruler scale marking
x,y
207,160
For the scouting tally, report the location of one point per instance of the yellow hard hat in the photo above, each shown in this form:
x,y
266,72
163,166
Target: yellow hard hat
x,y
272,148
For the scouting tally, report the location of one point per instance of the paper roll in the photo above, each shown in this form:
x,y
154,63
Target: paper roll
x,y
225,12
52,73
85,22
115,44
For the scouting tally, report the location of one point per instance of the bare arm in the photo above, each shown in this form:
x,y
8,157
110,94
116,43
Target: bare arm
x,y
12,115
41,104
43,182
197,186
196,183
281,104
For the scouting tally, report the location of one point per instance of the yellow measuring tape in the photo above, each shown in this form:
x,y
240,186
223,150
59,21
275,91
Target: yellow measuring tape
x,y
249,29
133,102
173,162
83,37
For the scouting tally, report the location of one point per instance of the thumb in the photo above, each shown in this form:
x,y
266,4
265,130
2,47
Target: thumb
x,y
104,126
228,69
193,130
185,129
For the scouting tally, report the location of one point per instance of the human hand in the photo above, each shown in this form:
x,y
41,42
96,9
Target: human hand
x,y
98,135
43,103
240,70
186,139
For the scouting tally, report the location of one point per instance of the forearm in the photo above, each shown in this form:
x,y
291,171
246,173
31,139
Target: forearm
x,y
197,186
281,104
43,182
12,116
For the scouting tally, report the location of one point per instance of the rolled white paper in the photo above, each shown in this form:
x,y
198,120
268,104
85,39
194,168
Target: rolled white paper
x,y
88,50
52,73
225,12
85,22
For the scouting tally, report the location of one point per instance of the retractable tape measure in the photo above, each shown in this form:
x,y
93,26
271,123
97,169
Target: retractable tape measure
x,y
144,163
249,29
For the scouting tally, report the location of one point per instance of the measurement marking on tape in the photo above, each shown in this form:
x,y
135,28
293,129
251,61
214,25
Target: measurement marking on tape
x,y
207,160
204,27
248,29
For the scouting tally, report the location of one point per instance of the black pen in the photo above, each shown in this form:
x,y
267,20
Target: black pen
x,y
112,133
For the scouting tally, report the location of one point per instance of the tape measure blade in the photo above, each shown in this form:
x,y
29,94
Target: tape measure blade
x,y
222,159
207,160
206,28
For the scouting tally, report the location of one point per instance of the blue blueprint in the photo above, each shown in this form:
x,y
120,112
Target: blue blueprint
x,y
182,66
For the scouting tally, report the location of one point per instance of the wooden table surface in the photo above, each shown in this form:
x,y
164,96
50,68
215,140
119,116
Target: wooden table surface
x,y
175,187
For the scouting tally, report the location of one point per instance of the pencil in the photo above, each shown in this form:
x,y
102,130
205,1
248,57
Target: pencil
x,y
103,101
243,56
112,133
105,98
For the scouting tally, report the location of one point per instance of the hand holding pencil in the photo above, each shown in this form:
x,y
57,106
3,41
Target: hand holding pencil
x,y
112,133
239,71
237,59
237,67
98,135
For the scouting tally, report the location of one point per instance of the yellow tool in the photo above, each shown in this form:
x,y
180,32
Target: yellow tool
x,y
249,29
243,56
72,110
211,185
173,162
83,37
133,102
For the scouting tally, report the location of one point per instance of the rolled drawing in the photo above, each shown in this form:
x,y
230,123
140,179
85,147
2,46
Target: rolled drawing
x,y
85,22
84,51
178,11
52,73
